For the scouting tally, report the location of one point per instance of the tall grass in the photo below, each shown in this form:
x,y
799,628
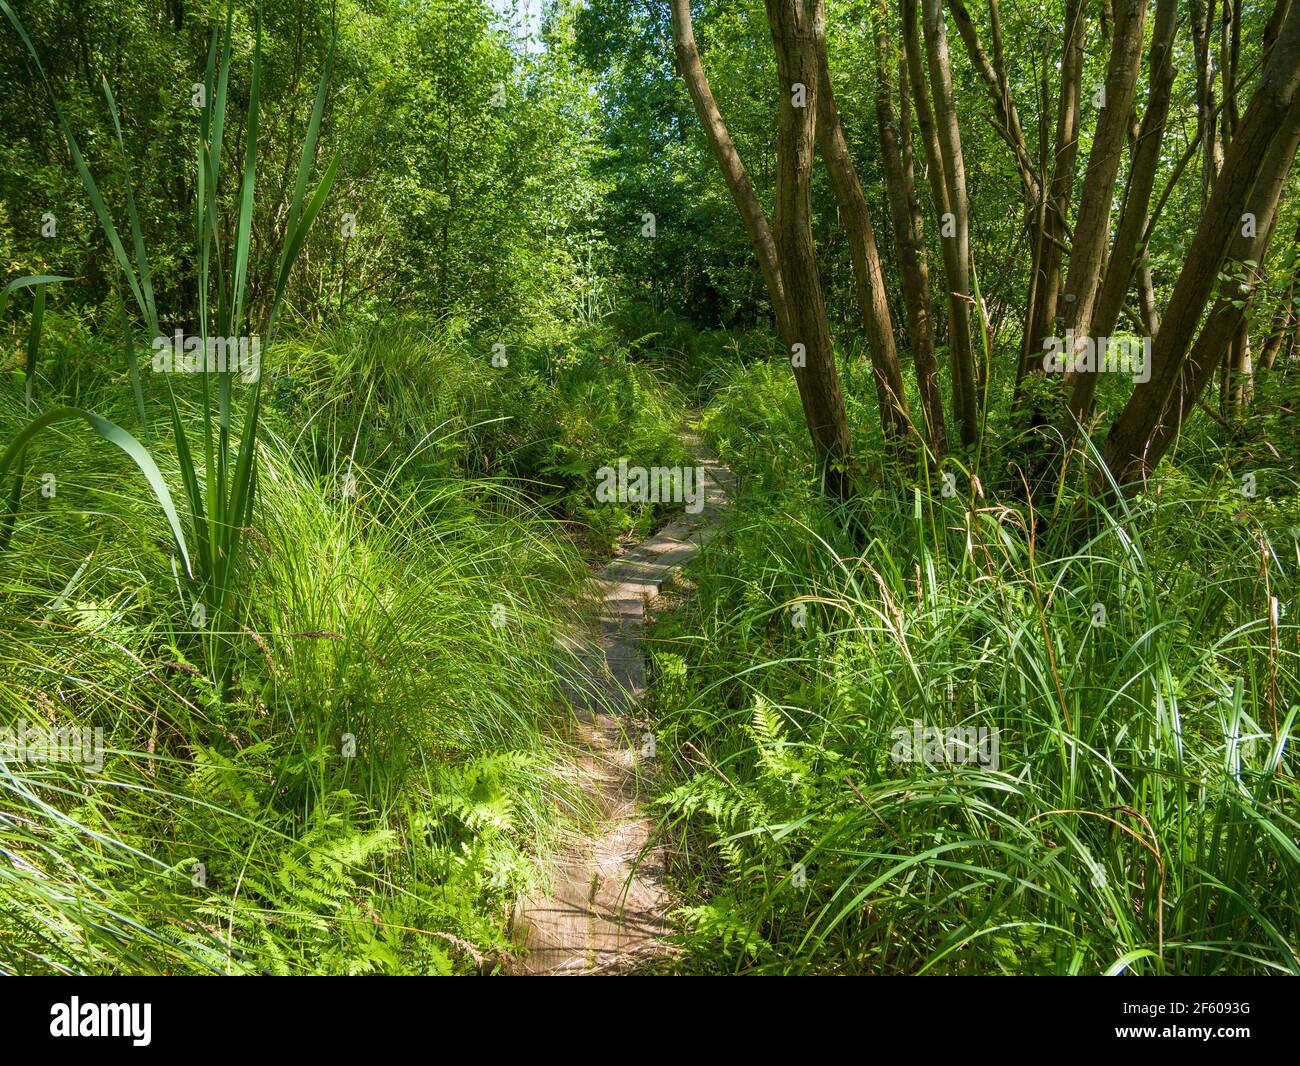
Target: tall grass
x,y
569,402
220,484
35,326
381,788
383,772
340,753
1142,818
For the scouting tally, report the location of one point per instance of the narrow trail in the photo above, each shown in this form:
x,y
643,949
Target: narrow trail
x,y
607,908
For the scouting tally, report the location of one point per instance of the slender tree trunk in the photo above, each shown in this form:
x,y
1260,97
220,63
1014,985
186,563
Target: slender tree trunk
x,y
995,80
1128,248
729,162
869,278
1098,194
1230,50
1047,288
794,33
915,59
1030,357
785,249
1032,175
1241,372
1235,390
954,230
1274,25
958,310
1284,320
1141,434
1225,322
1147,303
909,237
1206,121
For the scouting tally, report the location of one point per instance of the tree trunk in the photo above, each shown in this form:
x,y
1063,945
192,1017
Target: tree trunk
x,y
1284,321
1206,112
1274,25
999,88
1234,391
1128,248
1224,327
909,236
1230,53
1241,373
869,278
785,250
729,162
954,230
1030,355
1093,225
794,33
1032,175
1047,285
1261,147
1147,303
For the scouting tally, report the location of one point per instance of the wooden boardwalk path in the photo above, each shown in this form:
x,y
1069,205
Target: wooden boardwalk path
x,y
606,911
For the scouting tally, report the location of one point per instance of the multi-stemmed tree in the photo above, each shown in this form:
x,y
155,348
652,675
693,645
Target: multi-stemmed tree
x,y
1089,209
